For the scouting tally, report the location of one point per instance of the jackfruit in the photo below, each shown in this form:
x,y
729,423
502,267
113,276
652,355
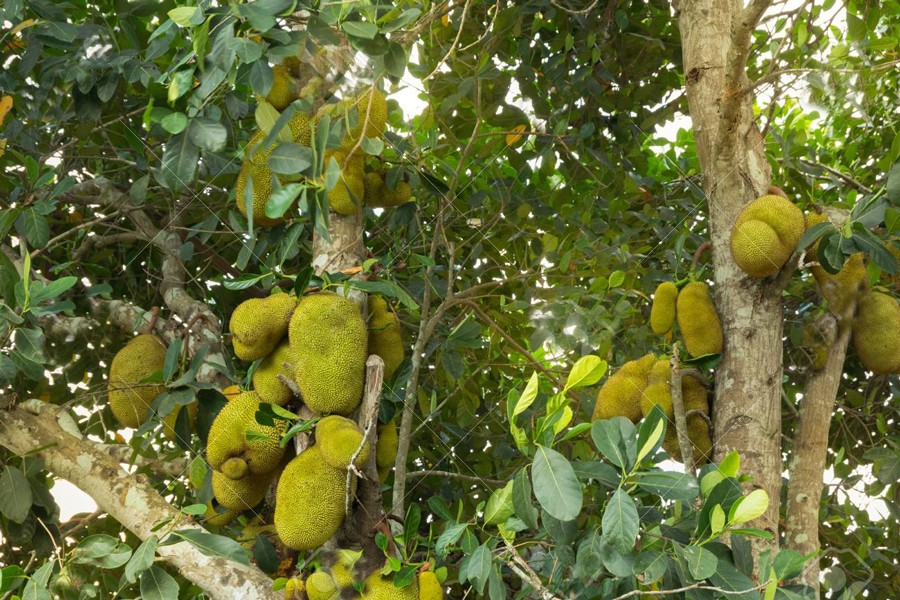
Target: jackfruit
x,y
228,442
321,586
693,395
430,587
816,346
240,494
377,194
130,399
222,519
328,336
309,501
258,325
294,588
346,196
266,381
255,165
842,289
372,114
876,333
662,311
170,421
386,449
698,434
621,394
339,438
385,337
301,133
383,588
765,235
284,87
659,392
698,320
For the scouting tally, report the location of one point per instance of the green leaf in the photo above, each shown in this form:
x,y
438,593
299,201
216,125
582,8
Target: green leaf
x,y
289,158
789,563
8,369
616,278
521,498
33,225
700,562
214,545
10,577
749,507
282,199
478,567
717,520
246,50
15,494
615,440
186,16
179,162
385,288
449,537
555,485
360,29
587,371
814,233
892,187
668,484
156,584
181,82
499,506
142,558
730,465
208,134
620,521
54,289
528,395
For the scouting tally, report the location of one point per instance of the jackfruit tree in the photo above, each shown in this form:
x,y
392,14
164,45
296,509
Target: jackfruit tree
x,y
567,299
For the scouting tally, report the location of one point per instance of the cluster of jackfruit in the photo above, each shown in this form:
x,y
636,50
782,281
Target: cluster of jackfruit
x,y
340,581
842,289
696,314
765,235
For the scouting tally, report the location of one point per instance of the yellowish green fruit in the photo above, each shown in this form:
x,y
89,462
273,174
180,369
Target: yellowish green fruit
x,y
293,589
309,501
284,87
328,336
385,337
765,235
222,519
430,587
170,421
129,398
698,320
346,196
386,449
235,468
377,194
255,167
300,129
698,434
372,111
382,588
843,289
621,395
258,325
267,380
876,333
339,439
321,586
693,395
240,494
228,439
816,346
662,311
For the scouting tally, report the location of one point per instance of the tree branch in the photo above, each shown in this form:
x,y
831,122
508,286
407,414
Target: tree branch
x,y
452,475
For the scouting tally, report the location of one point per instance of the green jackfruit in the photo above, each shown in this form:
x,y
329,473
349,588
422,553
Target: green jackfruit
x,y
130,399
621,395
222,519
346,196
284,87
309,501
258,325
842,289
339,438
430,587
386,449
372,115
698,434
294,588
328,336
659,392
300,128
240,494
765,235
876,333
170,421
693,395
383,588
698,320
662,311
322,586
385,337
266,381
228,440
255,166
377,194
816,346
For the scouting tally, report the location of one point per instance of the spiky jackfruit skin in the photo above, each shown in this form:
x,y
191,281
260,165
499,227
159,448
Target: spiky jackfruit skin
x,y
231,392
621,395
170,421
339,438
328,336
222,519
346,197
876,333
300,128
385,336
294,588
693,395
382,588
284,87
662,311
842,289
309,501
259,324
377,194
372,111
321,586
130,399
765,235
266,381
240,494
430,587
698,320
228,438
698,434
255,166
386,449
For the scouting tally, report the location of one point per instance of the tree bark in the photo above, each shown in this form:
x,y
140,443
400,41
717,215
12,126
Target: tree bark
x,y
126,498
746,413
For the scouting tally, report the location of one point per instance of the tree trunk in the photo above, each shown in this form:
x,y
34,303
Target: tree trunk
x,y
746,413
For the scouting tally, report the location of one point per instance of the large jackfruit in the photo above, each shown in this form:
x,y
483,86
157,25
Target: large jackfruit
x,y
662,311
339,438
698,320
266,380
328,336
258,325
383,588
255,165
372,115
130,399
386,449
346,197
430,587
309,501
621,395
229,449
285,88
765,235
876,333
698,434
377,194
385,337
240,494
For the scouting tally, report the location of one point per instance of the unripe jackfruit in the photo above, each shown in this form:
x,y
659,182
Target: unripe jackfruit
x,y
698,434
386,448
662,311
385,337
294,588
284,87
876,333
346,196
328,336
698,320
322,586
266,380
228,441
621,395
309,501
842,289
130,399
170,421
430,587
240,494
382,588
258,325
372,111
339,438
377,194
765,235
255,165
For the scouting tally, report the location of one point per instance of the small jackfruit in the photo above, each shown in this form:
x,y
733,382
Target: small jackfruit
x,y
258,325
698,320
816,346
765,235
255,166
386,449
621,395
876,333
309,501
240,494
372,114
339,439
377,194
346,196
698,434
328,336
385,337
266,380
170,421
430,587
322,586
662,311
284,87
383,588
229,444
130,399
294,588
693,395
222,519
